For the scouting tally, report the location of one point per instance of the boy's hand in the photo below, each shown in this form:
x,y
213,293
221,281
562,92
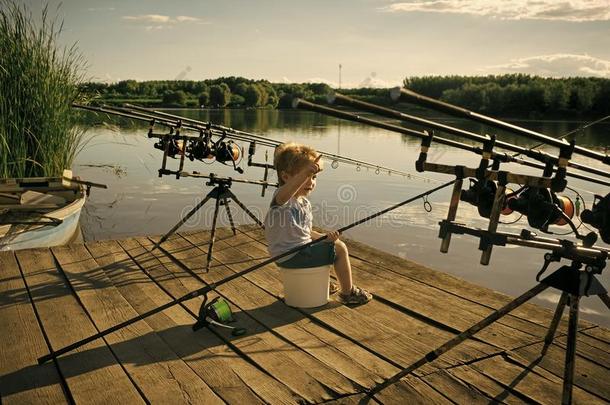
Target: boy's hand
x,y
333,236
313,167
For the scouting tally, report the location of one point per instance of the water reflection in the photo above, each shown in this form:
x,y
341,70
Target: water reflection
x,y
140,203
262,121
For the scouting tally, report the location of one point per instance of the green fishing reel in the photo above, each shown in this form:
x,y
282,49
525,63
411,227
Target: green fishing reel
x,y
217,312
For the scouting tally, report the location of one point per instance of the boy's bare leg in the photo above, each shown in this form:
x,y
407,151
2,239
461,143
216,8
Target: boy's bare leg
x,y
343,267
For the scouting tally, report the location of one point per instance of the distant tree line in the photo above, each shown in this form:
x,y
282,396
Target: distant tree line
x,y
504,95
518,94
230,92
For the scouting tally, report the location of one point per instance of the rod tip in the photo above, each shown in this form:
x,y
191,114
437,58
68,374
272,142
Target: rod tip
x,y
331,97
395,93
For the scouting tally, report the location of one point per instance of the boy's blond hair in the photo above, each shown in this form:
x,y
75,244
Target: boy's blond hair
x,y
292,157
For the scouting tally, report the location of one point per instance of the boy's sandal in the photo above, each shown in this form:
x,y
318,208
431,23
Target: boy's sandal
x,y
332,288
357,296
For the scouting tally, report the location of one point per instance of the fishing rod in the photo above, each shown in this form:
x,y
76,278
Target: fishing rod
x,y
501,157
336,98
590,124
173,121
403,94
247,136
213,286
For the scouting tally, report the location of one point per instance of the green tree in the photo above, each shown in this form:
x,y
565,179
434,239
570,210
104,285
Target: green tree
x,y
127,87
236,100
174,98
252,96
219,97
241,89
204,99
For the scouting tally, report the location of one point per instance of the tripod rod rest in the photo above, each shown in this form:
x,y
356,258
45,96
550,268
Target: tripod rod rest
x,y
593,256
220,181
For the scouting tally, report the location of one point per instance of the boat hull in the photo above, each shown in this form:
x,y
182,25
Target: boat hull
x,y
45,235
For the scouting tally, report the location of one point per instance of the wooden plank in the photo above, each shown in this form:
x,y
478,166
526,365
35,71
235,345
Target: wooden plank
x,y
538,384
587,375
155,368
599,333
299,371
454,389
377,311
171,278
452,286
528,312
350,360
21,379
174,324
490,387
592,367
406,326
65,321
378,338
435,304
410,390
588,349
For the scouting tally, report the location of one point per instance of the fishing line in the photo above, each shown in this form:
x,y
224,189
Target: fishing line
x,y
584,206
568,133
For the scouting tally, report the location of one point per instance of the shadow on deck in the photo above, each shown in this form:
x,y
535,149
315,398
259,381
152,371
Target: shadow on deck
x,y
50,298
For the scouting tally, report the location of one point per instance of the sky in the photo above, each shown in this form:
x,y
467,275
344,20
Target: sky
x,y
373,43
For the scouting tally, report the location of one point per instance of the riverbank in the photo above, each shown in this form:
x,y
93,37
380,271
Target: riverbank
x,y
519,96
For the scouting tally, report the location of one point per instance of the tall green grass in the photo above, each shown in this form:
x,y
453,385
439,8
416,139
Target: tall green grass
x,y
38,83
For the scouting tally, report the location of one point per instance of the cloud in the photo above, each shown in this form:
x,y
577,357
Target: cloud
x,y
150,18
185,18
157,22
567,10
556,65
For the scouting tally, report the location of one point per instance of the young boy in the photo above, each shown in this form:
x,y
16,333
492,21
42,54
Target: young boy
x,y
289,220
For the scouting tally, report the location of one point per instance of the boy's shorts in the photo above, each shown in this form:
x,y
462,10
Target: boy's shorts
x,y
319,254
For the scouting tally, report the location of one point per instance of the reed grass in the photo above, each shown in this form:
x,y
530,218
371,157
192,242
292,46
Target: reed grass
x,y
39,81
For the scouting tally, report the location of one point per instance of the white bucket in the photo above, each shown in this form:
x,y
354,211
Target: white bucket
x,y
306,288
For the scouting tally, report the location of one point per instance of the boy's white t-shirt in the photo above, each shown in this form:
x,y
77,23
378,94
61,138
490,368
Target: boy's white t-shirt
x,y
288,226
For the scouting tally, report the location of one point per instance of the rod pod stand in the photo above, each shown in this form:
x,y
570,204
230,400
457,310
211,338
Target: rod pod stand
x,y
265,166
222,194
482,173
573,284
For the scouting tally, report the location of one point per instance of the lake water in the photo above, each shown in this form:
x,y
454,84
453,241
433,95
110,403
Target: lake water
x,y
138,202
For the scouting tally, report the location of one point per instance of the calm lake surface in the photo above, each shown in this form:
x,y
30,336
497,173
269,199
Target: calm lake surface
x,y
138,202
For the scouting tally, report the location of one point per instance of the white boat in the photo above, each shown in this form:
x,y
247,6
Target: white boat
x,y
40,211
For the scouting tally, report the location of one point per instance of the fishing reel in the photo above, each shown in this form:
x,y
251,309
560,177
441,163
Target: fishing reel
x,y
481,194
228,152
201,148
217,312
221,150
542,207
599,216
172,145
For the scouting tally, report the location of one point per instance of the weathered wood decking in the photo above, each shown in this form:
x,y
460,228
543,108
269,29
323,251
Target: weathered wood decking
x,y
52,297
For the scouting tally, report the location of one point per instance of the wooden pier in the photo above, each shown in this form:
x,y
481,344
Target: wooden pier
x,y
50,298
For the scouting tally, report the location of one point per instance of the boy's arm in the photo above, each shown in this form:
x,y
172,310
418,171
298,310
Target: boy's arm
x,y
331,236
316,235
288,189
